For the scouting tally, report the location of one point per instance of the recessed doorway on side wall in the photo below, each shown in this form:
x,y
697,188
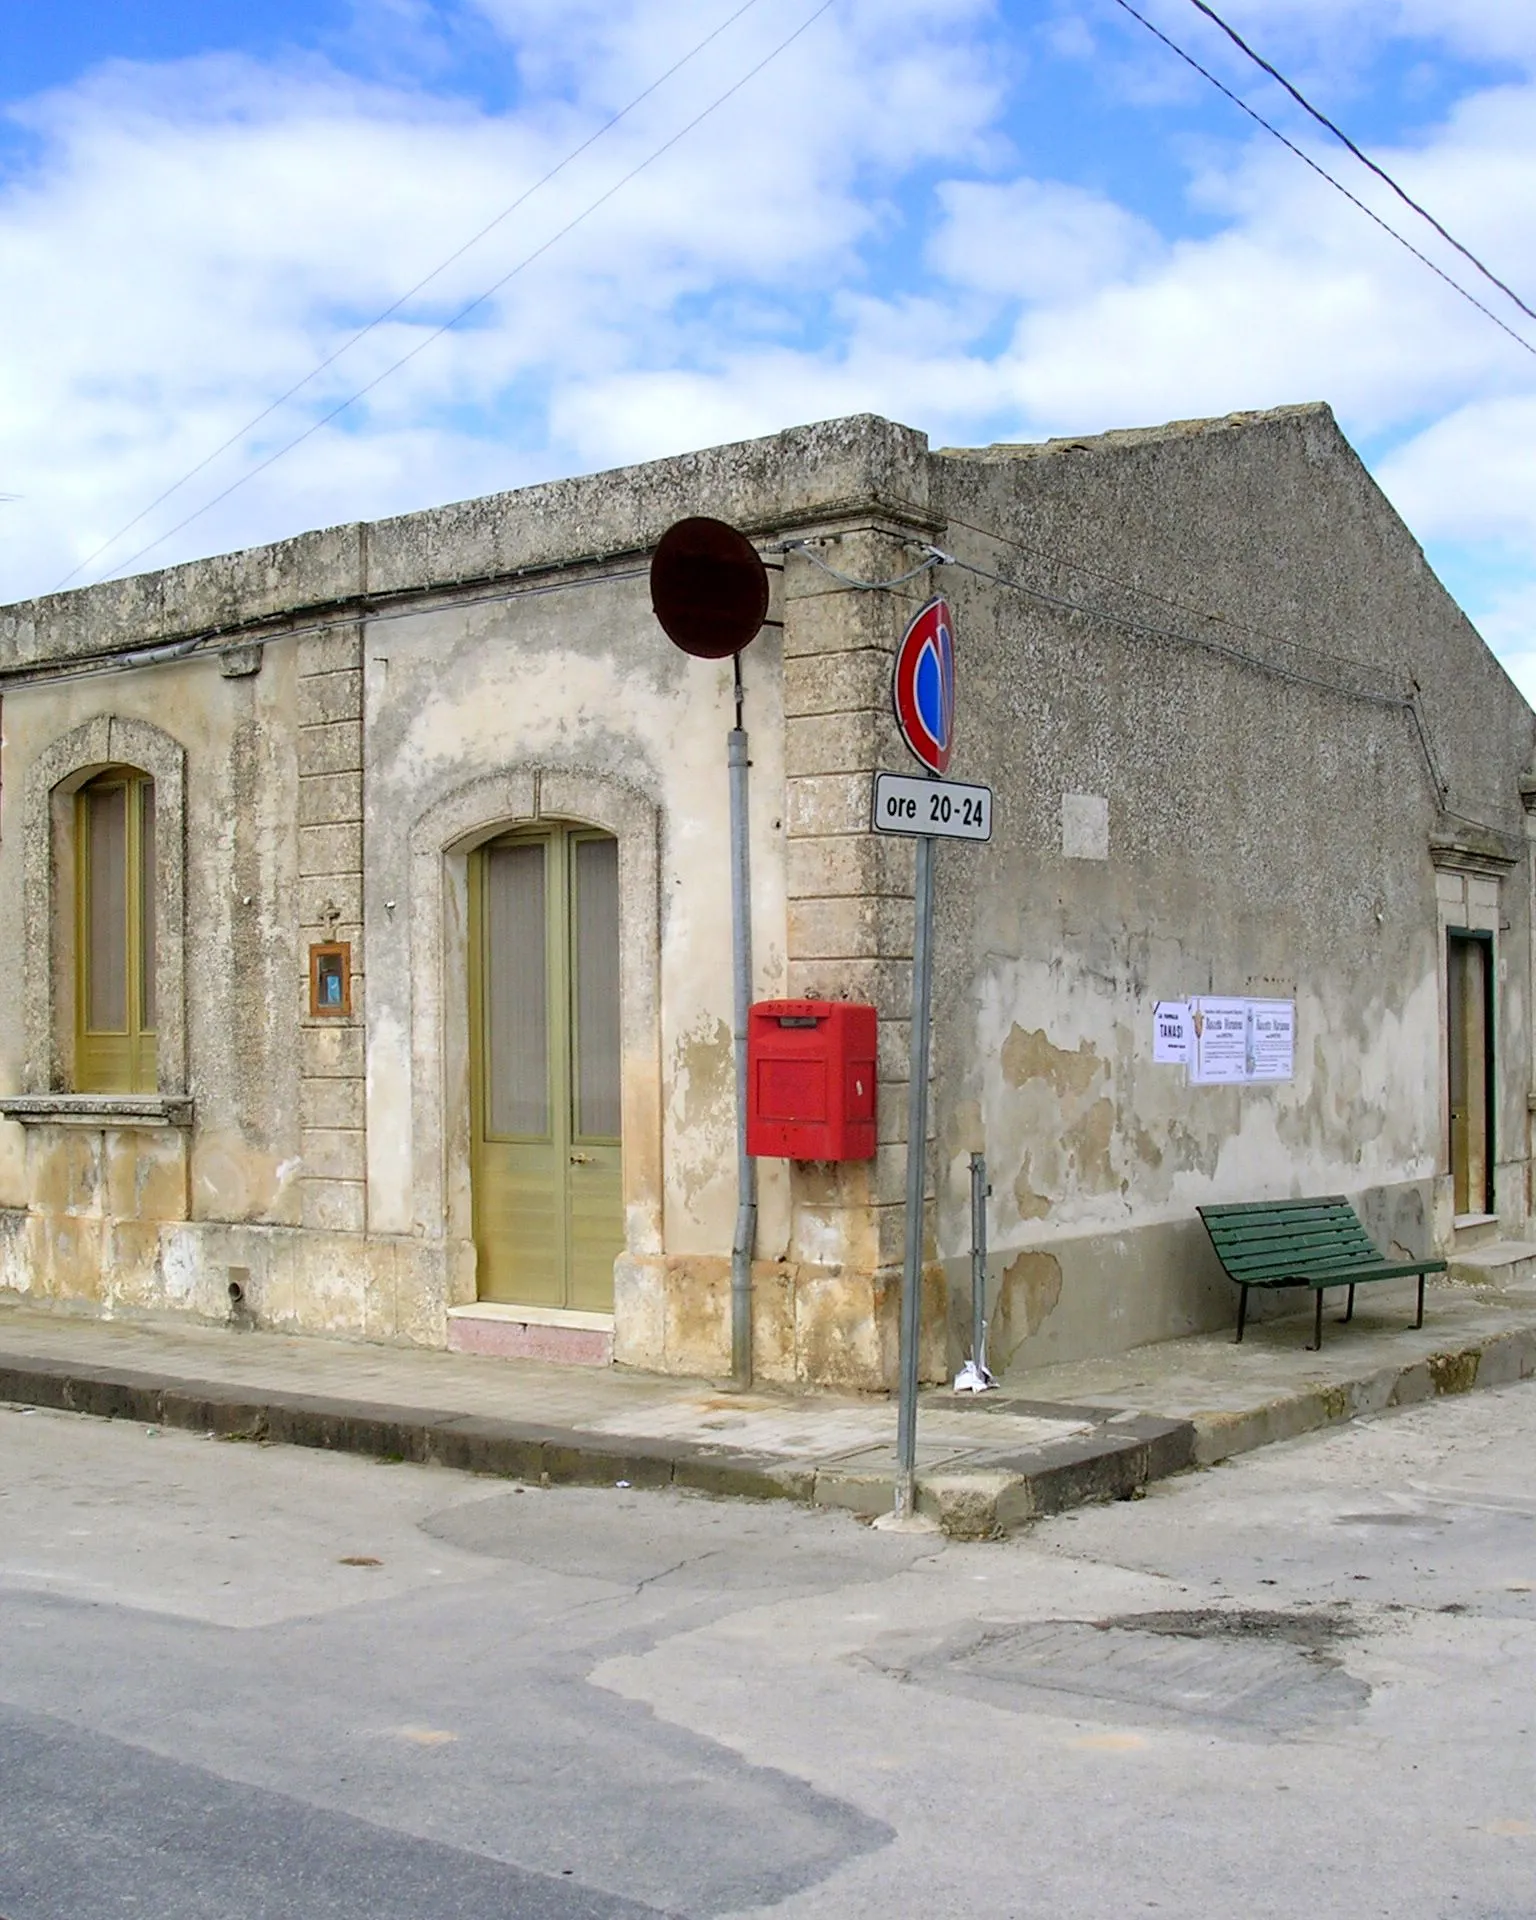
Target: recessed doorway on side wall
x,y
545,1067
1470,1055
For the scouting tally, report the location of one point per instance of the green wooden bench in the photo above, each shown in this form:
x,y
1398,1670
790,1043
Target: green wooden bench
x,y
1304,1243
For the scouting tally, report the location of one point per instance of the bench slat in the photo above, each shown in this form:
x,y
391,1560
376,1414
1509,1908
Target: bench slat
x,y
1349,1277
1307,1253
1296,1237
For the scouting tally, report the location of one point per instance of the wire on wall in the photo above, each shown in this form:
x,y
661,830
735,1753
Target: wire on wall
x,y
1149,630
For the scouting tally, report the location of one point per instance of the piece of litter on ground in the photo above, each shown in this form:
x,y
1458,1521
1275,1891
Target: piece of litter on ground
x,y
973,1379
621,1483
359,1560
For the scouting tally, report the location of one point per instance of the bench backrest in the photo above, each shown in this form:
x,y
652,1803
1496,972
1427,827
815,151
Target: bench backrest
x,y
1265,1240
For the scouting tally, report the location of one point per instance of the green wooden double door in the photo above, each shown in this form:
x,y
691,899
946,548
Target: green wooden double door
x,y
545,1067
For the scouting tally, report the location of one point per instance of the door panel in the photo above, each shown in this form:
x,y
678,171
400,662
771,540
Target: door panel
x,y
596,1208
545,1022
1469,977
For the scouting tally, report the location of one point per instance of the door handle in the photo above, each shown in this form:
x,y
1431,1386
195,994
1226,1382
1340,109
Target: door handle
x,y
583,1159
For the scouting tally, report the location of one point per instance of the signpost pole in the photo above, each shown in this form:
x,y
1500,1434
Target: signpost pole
x,y
741,956
917,1165
709,590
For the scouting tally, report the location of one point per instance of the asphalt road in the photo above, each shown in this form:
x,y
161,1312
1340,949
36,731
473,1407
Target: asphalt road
x,y
254,1681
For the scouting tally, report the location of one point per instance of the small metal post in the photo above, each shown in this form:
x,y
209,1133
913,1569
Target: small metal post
x,y
741,957
917,1163
979,1192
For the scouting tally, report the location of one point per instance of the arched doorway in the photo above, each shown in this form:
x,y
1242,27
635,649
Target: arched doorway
x,y
545,1066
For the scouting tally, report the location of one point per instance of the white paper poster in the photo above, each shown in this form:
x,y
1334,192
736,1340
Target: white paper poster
x,y
1173,1037
1227,1043
1221,1043
1273,1048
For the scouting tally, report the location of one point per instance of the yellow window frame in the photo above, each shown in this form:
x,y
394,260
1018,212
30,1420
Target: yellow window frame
x,y
119,1060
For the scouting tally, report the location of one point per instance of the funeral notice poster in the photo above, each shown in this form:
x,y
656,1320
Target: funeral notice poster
x,y
1173,1035
1221,1043
1273,1046
1231,1042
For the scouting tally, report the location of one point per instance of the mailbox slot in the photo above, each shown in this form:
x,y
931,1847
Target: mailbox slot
x,y
811,1080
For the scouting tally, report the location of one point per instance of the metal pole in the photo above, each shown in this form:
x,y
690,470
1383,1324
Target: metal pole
x,y
741,962
978,1259
917,1165
979,1192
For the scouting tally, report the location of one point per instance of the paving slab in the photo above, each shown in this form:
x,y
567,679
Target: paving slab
x,y
1054,1438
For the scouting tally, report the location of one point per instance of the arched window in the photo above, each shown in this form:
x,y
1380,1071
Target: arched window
x,y
115,933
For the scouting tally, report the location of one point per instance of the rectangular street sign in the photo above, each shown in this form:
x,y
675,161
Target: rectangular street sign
x,y
949,808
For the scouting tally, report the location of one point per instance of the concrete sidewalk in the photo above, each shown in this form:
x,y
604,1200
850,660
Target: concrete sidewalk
x,y
1056,1438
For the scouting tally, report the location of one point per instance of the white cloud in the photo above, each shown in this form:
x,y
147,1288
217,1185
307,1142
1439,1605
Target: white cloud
x,y
1508,623
1470,476
194,237
1035,239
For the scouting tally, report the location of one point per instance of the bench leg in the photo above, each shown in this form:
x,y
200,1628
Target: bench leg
x,y
1420,1321
1242,1315
1317,1324
1349,1311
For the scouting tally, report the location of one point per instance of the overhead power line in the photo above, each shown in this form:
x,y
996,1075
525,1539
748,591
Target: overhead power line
x,y
410,293
1323,173
1364,158
480,299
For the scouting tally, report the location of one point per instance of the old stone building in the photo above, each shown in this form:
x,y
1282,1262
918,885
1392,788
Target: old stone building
x,y
365,902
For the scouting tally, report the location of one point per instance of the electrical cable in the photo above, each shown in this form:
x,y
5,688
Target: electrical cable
x,y
1163,600
409,294
1337,185
480,299
863,586
1364,158
936,556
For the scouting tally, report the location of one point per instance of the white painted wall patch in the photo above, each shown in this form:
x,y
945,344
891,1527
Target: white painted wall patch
x,y
1084,826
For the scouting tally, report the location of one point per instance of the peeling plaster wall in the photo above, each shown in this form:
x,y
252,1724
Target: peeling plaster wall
x,y
1170,822
428,682
576,687
107,1202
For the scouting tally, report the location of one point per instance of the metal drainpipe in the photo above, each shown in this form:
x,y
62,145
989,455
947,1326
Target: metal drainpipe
x,y
741,957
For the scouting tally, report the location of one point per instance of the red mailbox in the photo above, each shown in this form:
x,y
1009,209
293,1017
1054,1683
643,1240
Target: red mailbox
x,y
811,1080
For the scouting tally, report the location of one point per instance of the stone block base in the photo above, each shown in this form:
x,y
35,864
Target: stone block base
x,y
811,1326
286,1279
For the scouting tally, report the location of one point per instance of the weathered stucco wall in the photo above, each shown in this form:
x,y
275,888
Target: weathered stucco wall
x,y
109,1203
425,684
355,710
564,705
1244,831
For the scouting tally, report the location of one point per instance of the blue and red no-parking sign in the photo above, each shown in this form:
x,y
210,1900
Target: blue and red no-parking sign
x,y
923,686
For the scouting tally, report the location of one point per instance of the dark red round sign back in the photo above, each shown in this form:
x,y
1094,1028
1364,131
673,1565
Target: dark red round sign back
x,y
709,588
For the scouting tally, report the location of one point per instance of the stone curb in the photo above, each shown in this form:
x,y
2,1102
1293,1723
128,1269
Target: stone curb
x,y
979,1500
1498,1361
992,1494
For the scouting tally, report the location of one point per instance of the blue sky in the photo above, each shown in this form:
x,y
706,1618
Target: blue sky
x,y
992,221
